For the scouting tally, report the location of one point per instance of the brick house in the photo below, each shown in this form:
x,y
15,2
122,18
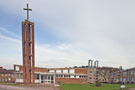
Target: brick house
x,y
6,75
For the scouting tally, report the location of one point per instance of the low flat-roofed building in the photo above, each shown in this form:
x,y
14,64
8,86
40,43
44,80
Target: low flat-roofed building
x,y
75,75
54,75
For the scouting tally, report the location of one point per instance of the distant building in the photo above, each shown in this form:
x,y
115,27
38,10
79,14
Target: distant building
x,y
123,76
101,74
6,75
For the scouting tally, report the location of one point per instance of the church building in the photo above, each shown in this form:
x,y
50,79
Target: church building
x,y
29,74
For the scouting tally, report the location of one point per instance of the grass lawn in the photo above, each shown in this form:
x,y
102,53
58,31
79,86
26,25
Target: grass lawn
x,y
93,87
13,84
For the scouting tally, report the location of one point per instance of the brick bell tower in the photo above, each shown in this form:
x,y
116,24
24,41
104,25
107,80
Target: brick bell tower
x,y
28,49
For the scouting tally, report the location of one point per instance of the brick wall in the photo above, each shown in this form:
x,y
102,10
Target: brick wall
x,y
81,70
41,69
71,80
37,69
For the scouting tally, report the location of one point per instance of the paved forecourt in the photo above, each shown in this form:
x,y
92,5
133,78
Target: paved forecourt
x,y
38,87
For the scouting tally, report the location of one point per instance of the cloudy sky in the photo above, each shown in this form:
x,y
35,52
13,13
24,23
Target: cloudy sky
x,y
69,32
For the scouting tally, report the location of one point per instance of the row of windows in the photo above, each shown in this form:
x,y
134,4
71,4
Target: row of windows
x,y
124,73
131,73
6,75
5,79
71,76
19,76
93,78
63,71
124,80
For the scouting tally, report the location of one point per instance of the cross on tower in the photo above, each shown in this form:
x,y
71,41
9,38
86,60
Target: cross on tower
x,y
27,11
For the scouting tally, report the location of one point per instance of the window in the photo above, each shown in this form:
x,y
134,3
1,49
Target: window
x,y
51,71
59,75
17,68
65,71
2,79
82,76
124,73
72,76
58,71
51,77
66,76
5,79
96,78
77,76
71,71
36,76
19,76
132,72
9,79
90,72
48,78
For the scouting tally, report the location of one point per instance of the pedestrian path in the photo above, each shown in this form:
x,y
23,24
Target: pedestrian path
x,y
36,87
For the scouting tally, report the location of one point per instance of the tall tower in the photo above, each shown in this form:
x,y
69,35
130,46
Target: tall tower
x,y
28,49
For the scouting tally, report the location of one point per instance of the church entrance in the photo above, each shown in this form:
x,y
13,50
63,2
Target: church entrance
x,y
47,79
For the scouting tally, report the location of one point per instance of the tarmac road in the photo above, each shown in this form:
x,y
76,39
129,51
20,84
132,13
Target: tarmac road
x,y
43,87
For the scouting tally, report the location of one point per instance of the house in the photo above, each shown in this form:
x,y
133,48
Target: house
x,y
123,76
6,75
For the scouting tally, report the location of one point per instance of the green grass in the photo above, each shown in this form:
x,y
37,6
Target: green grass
x,y
93,87
12,84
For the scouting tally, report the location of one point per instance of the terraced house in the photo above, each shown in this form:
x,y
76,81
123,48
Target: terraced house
x,y
123,76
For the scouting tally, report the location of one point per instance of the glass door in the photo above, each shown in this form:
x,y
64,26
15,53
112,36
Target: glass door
x,y
47,79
